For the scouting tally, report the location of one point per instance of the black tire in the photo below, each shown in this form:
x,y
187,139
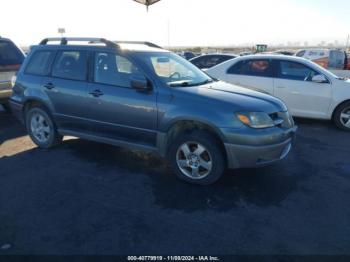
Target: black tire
x,y
6,107
213,150
345,107
53,138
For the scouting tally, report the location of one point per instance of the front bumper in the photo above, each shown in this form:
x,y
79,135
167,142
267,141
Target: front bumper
x,y
245,156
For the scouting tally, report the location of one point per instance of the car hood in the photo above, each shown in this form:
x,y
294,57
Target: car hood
x,y
241,98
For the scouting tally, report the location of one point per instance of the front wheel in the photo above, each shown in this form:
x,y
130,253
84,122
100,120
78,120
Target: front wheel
x,y
342,116
197,158
41,128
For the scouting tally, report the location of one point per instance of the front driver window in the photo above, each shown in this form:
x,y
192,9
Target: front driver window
x,y
295,71
113,69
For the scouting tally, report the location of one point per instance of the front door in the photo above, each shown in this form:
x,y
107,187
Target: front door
x,y
303,97
118,111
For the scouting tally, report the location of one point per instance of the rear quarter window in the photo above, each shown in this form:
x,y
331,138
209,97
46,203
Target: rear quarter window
x,y
10,54
39,63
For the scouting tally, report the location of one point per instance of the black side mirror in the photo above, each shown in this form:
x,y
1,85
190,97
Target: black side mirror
x,y
139,82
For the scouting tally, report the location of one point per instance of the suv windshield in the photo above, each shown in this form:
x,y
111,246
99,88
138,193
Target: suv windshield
x,y
174,70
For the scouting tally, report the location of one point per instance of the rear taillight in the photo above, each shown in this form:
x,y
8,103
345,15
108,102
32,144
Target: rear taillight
x,y
13,81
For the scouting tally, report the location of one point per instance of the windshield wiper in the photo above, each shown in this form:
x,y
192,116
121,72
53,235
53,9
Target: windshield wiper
x,y
204,82
179,83
189,83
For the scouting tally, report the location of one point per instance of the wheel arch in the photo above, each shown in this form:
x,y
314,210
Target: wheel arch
x,y
337,106
186,125
30,103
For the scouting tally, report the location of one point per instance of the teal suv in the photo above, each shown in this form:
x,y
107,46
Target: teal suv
x,y
140,96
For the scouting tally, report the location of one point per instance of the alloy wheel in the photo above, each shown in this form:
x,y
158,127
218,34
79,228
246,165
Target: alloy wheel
x,y
40,128
345,117
194,160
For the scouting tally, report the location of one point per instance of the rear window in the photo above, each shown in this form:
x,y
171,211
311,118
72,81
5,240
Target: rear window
x,y
10,54
39,63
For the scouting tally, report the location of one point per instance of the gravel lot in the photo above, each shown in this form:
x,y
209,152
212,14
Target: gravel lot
x,y
90,198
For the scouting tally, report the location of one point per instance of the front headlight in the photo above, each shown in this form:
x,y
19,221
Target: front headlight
x,y
256,119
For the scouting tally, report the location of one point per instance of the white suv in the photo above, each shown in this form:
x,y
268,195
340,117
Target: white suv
x,y
307,89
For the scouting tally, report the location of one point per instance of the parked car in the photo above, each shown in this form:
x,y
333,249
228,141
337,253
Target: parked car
x,y
327,58
11,57
144,97
284,52
210,60
278,52
246,53
308,89
187,55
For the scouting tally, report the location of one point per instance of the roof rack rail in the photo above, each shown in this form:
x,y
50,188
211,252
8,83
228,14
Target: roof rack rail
x,y
65,40
139,42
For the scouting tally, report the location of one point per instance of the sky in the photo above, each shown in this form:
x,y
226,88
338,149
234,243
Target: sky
x,y
179,22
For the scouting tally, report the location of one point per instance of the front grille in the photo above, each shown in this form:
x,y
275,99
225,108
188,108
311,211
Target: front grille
x,y
282,119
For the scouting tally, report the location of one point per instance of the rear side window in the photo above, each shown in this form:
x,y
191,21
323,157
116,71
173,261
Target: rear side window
x,y
295,71
70,65
256,67
39,63
10,54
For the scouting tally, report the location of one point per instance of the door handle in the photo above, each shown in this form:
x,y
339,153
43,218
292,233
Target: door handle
x,y
49,86
96,93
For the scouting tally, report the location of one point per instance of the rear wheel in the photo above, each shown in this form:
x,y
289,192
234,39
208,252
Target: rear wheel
x,y
342,116
41,128
197,158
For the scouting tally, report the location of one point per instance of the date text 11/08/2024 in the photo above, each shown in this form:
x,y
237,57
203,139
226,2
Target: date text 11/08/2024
x,y
173,258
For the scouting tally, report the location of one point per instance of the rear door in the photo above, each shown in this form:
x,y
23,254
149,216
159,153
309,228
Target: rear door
x,y
117,110
256,74
303,97
67,89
